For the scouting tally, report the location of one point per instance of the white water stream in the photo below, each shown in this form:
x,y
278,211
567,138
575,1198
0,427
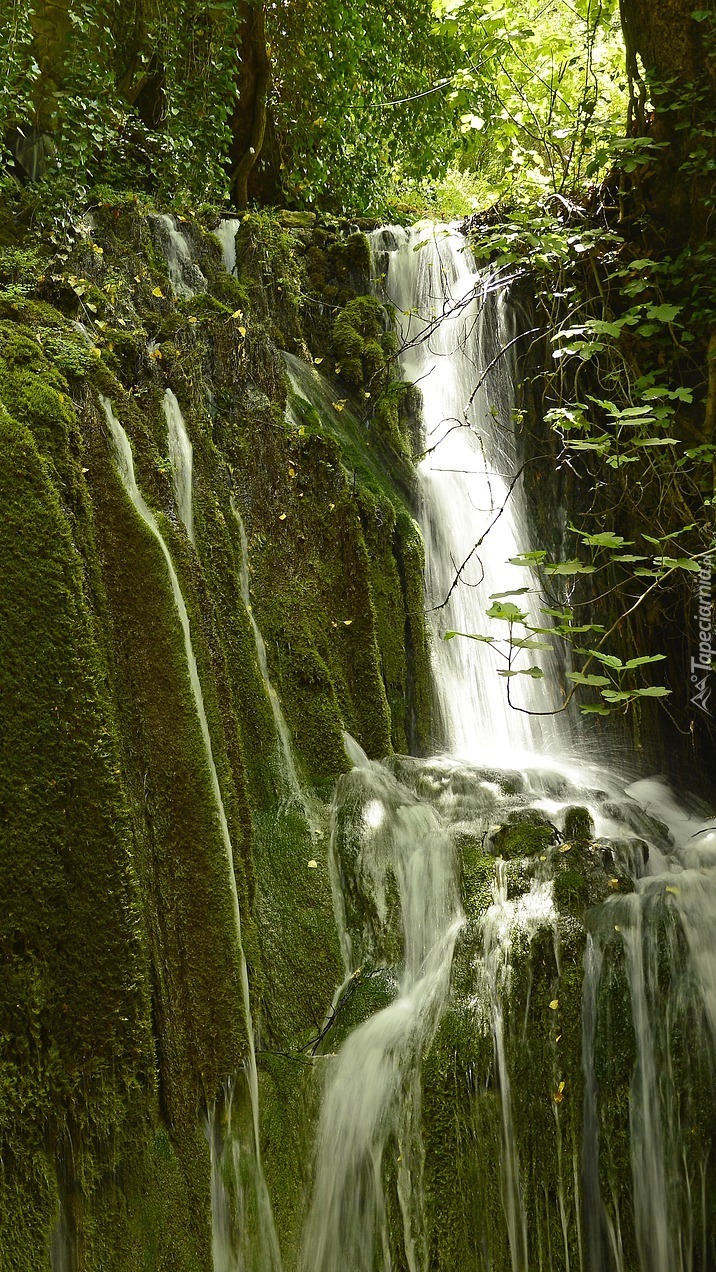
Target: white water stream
x,y
181,459
185,275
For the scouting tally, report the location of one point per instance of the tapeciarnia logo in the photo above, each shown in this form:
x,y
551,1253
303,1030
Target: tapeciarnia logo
x,y
702,664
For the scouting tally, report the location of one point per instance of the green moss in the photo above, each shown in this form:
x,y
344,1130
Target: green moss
x,y
74,1013
526,833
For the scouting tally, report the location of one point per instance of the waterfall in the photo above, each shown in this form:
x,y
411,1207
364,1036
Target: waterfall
x,y
392,840
269,1260
184,274
454,329
181,457
225,232
396,830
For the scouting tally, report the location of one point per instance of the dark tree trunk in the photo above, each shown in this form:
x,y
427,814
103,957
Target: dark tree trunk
x,y
248,125
670,48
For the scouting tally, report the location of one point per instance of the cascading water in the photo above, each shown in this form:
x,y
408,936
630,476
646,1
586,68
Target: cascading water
x,y
462,885
184,274
181,459
225,232
289,771
264,1255
454,327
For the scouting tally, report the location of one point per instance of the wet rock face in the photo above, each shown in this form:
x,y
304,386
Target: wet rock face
x,y
512,1096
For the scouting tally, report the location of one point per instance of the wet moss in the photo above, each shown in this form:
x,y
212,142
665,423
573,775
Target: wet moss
x,y
526,833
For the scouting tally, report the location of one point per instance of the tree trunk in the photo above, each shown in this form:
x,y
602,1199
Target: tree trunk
x,y
248,125
51,28
665,44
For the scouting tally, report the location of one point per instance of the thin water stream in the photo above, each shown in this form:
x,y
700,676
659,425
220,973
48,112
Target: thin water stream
x,y
262,1251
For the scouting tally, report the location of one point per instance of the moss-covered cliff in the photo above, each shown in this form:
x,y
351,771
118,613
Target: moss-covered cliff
x,y
120,1001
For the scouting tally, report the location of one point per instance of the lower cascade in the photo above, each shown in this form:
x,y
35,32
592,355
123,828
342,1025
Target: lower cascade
x,y
518,1072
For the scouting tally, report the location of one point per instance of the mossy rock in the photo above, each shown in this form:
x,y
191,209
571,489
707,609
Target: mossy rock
x,y
368,991
578,824
526,833
477,873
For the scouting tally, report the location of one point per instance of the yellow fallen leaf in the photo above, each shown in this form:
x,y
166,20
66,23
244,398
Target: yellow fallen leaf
x,y
554,1004
292,472
312,865
347,622
242,331
675,891
157,291
99,250
282,516
331,506
317,362
193,319
339,406
566,847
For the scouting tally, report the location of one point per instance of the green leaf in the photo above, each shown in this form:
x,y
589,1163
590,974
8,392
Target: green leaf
x,y
488,640
609,660
608,539
641,662
654,691
678,563
579,678
663,313
594,708
535,672
570,567
528,558
506,611
518,591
